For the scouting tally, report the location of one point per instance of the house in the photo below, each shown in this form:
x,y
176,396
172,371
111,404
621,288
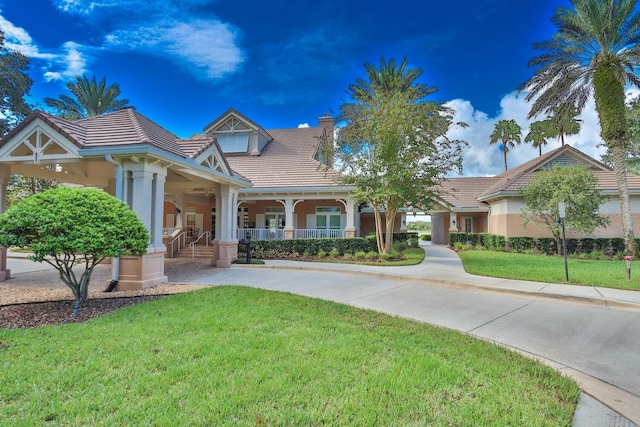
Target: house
x,y
232,180
236,179
493,205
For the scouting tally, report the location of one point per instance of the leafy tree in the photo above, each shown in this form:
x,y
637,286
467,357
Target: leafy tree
x,y
563,121
595,52
66,227
20,187
15,84
576,187
88,99
508,133
393,146
538,134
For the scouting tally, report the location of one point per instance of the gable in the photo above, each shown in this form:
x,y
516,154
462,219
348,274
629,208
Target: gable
x,y
236,134
213,159
38,142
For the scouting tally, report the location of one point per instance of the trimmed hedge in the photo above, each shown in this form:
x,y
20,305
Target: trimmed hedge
x,y
284,248
546,245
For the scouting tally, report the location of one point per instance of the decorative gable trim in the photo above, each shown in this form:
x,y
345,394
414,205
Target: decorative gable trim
x,y
213,159
38,142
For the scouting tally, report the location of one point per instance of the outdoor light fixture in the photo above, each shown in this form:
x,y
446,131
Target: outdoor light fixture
x,y
562,212
177,211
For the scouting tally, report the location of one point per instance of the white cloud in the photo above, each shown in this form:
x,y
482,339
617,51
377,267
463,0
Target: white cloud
x,y
73,63
17,39
303,125
208,45
482,159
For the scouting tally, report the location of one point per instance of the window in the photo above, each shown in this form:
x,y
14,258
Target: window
x,y
328,218
233,142
274,217
243,217
468,225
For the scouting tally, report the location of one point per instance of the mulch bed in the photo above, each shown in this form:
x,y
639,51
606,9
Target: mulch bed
x,y
31,315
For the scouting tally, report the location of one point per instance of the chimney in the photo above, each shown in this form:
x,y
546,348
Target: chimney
x,y
326,125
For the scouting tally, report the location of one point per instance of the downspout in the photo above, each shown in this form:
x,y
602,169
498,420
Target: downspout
x,y
115,271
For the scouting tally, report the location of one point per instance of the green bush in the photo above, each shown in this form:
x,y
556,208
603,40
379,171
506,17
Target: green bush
x,y
309,247
361,255
371,255
334,252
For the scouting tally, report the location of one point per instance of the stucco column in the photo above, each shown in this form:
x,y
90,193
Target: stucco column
x,y
158,210
288,219
350,229
144,191
403,222
5,173
141,187
227,244
453,222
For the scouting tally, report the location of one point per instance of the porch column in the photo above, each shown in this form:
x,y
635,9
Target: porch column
x,y
403,222
453,222
5,173
144,192
288,219
157,211
227,244
350,229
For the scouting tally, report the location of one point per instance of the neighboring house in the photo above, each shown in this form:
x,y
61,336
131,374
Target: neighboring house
x,y
493,205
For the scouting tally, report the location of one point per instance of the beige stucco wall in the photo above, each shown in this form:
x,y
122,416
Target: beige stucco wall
x,y
506,220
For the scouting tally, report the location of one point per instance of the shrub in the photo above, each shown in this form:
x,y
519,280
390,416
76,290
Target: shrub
x,y
334,252
371,255
361,255
322,254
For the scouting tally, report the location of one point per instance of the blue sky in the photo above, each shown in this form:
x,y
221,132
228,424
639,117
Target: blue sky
x,y
284,63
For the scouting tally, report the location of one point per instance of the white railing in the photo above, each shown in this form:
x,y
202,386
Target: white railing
x,y
260,234
177,243
268,234
168,231
312,233
192,245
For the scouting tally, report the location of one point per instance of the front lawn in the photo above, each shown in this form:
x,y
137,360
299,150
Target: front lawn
x,y
243,356
545,268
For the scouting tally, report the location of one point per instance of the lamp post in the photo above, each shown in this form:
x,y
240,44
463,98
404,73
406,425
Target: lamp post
x,y
561,210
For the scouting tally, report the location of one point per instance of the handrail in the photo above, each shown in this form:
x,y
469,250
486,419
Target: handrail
x,y
192,245
182,236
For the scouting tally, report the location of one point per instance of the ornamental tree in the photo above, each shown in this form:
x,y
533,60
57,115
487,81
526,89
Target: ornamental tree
x,y
67,227
573,185
393,146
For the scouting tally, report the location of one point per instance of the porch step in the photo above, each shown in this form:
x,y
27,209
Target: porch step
x,y
200,251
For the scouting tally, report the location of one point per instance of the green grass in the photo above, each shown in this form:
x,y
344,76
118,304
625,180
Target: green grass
x,y
543,268
241,356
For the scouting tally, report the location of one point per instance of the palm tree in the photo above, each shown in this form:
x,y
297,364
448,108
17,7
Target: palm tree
x,y
89,99
508,132
538,134
594,52
563,122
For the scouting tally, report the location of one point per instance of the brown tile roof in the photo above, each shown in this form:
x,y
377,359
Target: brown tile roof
x,y
463,192
127,127
286,161
473,192
120,128
511,180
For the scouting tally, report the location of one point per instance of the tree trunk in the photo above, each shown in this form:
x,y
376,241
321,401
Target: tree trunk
x,y
378,221
630,246
609,97
504,151
390,219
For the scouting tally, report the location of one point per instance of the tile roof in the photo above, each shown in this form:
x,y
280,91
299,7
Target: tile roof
x,y
473,192
286,161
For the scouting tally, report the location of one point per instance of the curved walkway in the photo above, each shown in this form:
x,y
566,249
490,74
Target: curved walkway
x,y
588,333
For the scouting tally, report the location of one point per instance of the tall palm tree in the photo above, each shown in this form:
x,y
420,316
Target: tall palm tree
x,y
538,134
594,52
507,132
563,121
89,99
